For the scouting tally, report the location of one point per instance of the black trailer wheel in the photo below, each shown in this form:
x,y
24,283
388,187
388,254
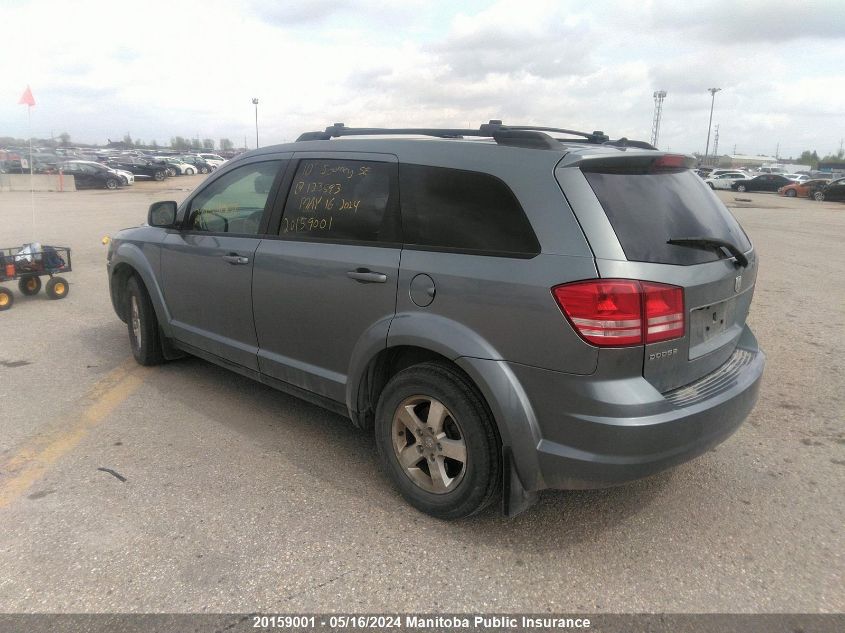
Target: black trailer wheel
x,y
7,299
57,288
29,285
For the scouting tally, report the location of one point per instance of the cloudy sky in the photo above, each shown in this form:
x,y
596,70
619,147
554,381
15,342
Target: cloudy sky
x,y
154,69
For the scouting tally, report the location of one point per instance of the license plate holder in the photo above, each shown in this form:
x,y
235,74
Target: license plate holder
x,y
710,321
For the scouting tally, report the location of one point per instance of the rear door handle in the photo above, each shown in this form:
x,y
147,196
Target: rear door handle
x,y
366,276
235,259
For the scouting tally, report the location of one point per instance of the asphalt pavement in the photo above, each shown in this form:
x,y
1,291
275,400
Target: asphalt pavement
x,y
188,488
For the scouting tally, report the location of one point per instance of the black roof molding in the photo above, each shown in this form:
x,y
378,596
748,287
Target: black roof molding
x,y
516,135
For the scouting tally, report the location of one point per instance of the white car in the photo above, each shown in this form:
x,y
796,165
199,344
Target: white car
x,y
797,177
725,180
178,166
127,176
212,159
724,170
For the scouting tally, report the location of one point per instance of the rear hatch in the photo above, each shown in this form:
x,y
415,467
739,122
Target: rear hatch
x,y
648,217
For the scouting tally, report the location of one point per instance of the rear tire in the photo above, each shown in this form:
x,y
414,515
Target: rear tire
x,y
189,171
446,461
57,288
710,184
141,321
7,299
790,193
111,183
159,175
29,285
740,188
818,196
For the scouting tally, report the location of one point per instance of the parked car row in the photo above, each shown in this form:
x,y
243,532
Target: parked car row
x,y
109,169
790,185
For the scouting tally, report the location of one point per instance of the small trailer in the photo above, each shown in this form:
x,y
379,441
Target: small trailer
x,y
30,262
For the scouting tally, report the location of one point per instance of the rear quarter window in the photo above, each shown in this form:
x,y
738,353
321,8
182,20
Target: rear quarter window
x,y
463,211
647,210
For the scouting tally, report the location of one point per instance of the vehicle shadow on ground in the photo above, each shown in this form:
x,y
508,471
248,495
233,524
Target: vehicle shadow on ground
x,y
343,459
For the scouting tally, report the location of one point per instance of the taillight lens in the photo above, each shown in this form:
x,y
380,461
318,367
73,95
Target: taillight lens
x,y
664,312
619,312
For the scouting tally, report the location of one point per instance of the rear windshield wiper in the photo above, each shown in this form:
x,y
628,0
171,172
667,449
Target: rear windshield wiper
x,y
709,244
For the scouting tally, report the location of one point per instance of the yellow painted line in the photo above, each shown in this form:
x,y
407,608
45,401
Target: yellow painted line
x,y
31,461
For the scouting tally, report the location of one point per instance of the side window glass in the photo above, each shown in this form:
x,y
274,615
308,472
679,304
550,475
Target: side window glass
x,y
464,211
349,200
234,203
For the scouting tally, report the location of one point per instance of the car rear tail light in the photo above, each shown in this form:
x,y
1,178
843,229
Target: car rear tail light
x,y
620,312
664,312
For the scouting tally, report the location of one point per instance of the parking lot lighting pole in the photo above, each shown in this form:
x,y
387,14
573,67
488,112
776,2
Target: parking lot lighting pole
x,y
255,103
712,92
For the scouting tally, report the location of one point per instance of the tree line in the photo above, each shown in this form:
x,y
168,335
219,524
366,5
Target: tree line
x,y
179,143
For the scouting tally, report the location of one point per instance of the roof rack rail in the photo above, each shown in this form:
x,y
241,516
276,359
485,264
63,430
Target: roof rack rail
x,y
519,135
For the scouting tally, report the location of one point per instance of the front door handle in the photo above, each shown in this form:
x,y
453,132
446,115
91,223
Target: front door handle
x,y
367,276
235,259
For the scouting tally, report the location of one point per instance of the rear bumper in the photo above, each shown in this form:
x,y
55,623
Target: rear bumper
x,y
604,433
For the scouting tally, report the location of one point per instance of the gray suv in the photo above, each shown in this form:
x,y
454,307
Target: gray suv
x,y
507,308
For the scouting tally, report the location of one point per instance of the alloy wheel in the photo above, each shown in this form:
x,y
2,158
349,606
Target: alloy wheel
x,y
135,318
429,444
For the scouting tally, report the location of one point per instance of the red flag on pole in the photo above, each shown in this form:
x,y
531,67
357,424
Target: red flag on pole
x,y
27,98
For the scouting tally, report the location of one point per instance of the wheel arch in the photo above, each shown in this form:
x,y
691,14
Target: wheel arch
x,y
498,388
129,261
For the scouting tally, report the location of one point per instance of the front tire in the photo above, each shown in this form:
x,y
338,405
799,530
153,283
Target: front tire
x,y
203,170
57,288
29,285
111,183
790,193
141,321
438,442
818,196
189,171
159,175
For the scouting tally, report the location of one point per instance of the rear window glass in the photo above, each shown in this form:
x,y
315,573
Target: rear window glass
x,y
463,211
647,210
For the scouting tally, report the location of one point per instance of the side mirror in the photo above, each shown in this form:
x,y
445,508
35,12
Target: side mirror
x,y
162,214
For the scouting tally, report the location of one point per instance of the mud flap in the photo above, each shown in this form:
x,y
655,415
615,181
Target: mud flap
x,y
515,498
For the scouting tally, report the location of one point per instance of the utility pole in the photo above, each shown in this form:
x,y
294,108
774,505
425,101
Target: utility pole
x,y
659,96
734,149
712,92
716,144
255,103
777,151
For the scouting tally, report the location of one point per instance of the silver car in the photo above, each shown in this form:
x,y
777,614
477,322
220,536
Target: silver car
x,y
507,309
